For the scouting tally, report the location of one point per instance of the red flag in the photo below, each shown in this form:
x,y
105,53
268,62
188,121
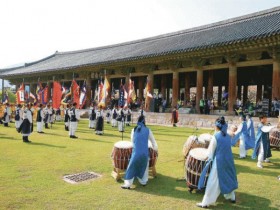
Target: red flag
x,y
57,94
20,94
76,92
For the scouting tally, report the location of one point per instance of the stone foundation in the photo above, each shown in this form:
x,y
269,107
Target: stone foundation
x,y
187,120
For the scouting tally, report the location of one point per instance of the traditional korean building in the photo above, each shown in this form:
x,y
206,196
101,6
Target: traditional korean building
x,y
233,54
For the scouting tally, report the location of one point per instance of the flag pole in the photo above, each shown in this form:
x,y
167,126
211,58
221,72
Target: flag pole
x,y
105,90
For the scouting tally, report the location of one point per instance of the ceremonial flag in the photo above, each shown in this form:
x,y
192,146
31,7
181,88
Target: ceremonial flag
x,y
148,94
100,91
20,94
75,92
131,92
83,96
105,89
44,95
57,95
31,95
121,99
39,88
5,98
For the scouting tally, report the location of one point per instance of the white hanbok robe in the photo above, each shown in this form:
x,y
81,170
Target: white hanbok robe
x,y
212,190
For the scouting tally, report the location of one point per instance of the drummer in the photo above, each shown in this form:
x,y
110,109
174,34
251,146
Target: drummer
x,y
262,144
222,177
139,162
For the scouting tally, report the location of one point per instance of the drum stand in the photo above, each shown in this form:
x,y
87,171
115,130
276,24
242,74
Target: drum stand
x,y
117,173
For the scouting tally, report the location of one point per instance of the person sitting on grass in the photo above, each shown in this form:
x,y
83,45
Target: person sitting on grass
x,y
139,163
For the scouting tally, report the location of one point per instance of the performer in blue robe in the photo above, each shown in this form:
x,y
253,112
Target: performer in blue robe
x,y
245,142
222,177
251,129
139,163
262,144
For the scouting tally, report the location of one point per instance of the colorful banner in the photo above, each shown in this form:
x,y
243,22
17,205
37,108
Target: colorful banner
x,y
121,93
20,94
104,95
44,95
131,92
76,92
57,95
39,88
148,94
83,96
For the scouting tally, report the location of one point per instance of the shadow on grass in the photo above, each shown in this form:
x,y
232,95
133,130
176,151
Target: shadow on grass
x,y
96,140
47,145
256,170
7,138
167,186
245,201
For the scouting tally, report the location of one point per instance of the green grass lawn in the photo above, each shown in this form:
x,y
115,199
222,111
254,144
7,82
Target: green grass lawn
x,y
31,174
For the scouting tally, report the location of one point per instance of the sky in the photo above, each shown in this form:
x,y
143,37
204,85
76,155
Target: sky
x,y
31,30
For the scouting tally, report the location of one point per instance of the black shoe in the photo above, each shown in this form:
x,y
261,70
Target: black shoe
x,y
233,201
74,137
144,185
124,187
71,136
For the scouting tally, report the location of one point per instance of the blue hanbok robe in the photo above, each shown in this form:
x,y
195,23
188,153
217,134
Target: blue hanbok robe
x,y
251,131
223,159
140,154
264,138
249,143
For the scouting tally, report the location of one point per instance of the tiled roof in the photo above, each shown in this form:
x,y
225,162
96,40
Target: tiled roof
x,y
245,28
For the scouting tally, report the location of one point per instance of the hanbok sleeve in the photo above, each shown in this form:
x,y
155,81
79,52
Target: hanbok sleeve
x,y
131,137
77,114
212,148
152,140
249,124
29,116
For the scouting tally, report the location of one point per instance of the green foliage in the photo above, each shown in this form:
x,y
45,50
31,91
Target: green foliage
x,y
31,174
12,96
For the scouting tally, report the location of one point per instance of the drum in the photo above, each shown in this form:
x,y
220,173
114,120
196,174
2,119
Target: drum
x,y
194,165
274,137
205,138
153,155
121,154
191,143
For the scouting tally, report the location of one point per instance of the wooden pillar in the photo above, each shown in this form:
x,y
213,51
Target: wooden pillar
x,y
175,88
232,87
163,85
89,89
199,87
239,91
259,92
187,87
219,95
210,85
276,76
245,93
141,87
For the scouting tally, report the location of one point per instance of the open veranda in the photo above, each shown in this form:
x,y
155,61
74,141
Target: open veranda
x,y
31,175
